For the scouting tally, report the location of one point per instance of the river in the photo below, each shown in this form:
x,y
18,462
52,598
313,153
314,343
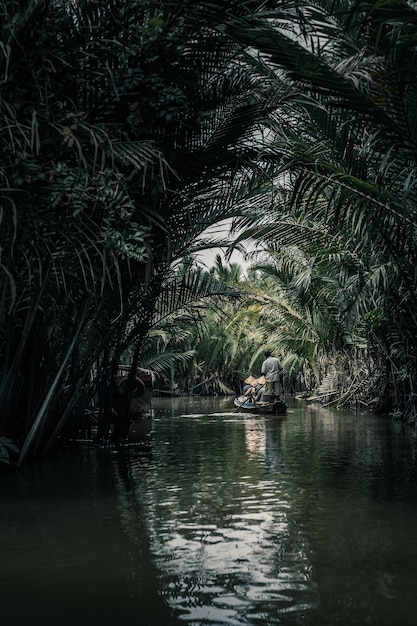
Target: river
x,y
217,518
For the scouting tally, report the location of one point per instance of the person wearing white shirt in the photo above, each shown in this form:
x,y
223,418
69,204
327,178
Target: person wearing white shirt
x,y
271,368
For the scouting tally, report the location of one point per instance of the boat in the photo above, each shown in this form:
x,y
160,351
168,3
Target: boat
x,y
247,404
142,389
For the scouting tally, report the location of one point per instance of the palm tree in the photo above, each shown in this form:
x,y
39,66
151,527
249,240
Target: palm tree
x,y
342,156
126,131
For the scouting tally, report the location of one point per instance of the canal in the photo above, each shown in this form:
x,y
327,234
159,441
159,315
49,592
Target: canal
x,y
217,518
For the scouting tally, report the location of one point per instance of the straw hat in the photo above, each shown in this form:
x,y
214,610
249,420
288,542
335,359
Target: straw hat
x,y
251,380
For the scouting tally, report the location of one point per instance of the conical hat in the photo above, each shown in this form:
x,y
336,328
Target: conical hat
x,y
251,380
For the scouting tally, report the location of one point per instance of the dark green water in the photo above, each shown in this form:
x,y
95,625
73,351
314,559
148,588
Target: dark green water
x,y
218,519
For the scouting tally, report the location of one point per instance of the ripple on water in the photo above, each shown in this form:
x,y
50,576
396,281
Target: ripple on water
x,y
279,522
225,573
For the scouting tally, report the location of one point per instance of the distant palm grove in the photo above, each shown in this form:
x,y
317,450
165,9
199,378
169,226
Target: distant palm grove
x,y
128,128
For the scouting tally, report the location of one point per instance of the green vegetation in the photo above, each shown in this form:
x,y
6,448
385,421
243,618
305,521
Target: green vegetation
x,y
129,127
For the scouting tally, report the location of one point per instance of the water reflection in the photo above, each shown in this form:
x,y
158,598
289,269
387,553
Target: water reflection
x,y
255,435
221,519
219,526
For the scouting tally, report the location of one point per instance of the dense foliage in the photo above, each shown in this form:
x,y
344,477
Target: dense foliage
x,y
339,217
124,135
129,127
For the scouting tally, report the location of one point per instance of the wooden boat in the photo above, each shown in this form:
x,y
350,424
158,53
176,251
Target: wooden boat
x,y
246,404
142,389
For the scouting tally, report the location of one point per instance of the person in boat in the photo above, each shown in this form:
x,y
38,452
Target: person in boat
x,y
254,388
271,368
254,391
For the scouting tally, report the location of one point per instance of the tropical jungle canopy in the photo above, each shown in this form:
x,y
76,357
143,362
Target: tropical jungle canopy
x,y
128,127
